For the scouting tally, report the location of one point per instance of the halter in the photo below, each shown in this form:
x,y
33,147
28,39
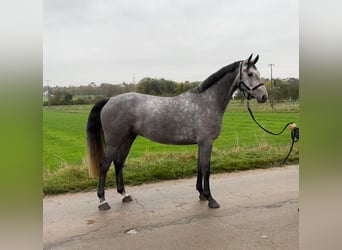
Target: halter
x,y
246,90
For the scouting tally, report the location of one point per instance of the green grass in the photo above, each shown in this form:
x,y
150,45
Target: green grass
x,y
63,138
169,165
241,145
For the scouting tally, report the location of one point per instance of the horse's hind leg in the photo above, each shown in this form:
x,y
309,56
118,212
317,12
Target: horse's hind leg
x,y
104,166
119,181
119,163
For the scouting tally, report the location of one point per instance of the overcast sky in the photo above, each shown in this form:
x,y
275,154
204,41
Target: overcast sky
x,y
117,41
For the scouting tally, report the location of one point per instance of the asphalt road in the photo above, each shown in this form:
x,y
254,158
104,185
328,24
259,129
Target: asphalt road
x,y
259,210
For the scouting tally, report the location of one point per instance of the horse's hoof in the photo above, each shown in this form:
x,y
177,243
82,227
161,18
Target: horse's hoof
x,y
104,205
202,197
127,198
213,204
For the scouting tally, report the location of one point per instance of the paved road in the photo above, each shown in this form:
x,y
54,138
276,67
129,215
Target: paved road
x,y
259,210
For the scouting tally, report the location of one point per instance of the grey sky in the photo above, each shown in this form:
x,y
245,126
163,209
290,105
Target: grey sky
x,y
113,40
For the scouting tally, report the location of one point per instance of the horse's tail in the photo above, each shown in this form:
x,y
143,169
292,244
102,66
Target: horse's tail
x,y
95,141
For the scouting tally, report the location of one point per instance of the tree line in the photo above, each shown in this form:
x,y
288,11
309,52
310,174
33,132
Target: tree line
x,y
91,93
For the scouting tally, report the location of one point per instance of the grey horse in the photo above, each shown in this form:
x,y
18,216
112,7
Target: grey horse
x,y
193,117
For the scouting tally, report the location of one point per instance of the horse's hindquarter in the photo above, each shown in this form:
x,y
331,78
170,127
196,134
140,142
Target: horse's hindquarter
x,y
117,118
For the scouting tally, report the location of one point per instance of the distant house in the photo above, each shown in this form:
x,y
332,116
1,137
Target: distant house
x,y
46,93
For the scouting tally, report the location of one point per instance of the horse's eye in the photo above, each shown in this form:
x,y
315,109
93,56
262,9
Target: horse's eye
x,y
250,74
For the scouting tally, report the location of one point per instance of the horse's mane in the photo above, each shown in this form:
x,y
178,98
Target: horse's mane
x,y
214,78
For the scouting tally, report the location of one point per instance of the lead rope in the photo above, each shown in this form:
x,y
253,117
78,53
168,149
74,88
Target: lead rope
x,y
294,132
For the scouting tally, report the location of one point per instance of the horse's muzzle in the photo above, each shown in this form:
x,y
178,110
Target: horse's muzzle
x,y
262,99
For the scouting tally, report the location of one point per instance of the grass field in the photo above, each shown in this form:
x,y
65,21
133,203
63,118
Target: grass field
x,y
64,146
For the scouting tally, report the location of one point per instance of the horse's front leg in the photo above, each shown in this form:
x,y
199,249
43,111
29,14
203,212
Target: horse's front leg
x,y
204,155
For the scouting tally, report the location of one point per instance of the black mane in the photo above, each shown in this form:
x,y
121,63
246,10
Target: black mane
x,y
214,78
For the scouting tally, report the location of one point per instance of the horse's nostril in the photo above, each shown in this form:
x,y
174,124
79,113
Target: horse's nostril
x,y
264,98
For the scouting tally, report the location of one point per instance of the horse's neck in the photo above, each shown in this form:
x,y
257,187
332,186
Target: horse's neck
x,y
222,91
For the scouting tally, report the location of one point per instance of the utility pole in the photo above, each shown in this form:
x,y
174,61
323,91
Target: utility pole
x,y
47,83
271,65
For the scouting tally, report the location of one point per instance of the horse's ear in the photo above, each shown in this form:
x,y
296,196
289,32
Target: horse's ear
x,y
256,59
249,58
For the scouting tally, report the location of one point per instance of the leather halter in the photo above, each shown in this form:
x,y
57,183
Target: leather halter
x,y
246,90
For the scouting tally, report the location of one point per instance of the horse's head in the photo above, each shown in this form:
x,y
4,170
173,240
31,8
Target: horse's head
x,y
249,82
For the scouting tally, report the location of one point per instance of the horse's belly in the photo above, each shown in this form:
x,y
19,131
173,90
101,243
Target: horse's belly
x,y
174,140
167,135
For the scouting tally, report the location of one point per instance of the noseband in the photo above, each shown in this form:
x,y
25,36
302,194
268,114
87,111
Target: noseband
x,y
246,90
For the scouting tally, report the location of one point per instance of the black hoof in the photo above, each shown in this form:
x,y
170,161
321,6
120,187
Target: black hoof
x,y
127,198
202,197
104,206
213,204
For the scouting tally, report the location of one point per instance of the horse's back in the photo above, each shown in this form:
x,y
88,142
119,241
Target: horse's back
x,y
136,104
